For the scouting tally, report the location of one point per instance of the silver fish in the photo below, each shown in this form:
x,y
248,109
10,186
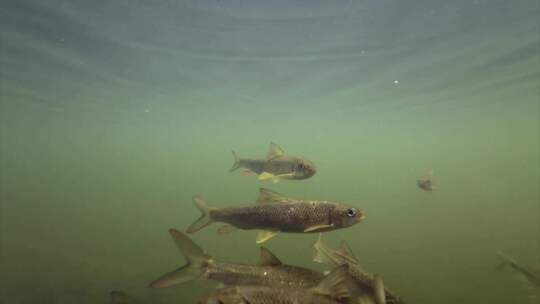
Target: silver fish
x,y
276,213
277,166
270,270
331,290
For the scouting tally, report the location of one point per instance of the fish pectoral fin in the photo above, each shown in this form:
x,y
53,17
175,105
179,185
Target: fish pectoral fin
x,y
317,227
286,175
226,229
265,235
274,151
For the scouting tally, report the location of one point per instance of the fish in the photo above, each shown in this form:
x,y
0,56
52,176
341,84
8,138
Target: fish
x,y
531,274
371,287
276,213
270,270
331,290
425,182
277,166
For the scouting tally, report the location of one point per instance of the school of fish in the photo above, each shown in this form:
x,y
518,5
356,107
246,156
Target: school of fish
x,y
271,280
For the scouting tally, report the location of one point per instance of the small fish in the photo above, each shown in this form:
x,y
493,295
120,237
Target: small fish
x,y
425,182
276,166
371,287
531,274
276,213
270,270
331,290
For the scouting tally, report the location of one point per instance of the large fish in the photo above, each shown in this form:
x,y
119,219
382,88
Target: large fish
x,y
270,270
276,166
276,213
532,275
370,287
331,290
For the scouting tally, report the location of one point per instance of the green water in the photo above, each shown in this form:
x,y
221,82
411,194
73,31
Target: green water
x,y
113,114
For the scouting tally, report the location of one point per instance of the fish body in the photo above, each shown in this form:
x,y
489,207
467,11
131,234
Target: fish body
x,y
370,287
270,270
277,166
532,275
331,290
425,183
275,213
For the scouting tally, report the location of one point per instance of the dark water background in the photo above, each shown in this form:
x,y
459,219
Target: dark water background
x,y
114,113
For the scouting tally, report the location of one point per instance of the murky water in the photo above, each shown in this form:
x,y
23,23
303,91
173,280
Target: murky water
x,y
114,113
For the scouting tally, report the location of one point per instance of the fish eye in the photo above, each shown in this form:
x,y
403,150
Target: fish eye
x,y
351,212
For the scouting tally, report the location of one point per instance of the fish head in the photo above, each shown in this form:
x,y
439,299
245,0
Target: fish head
x,y
303,169
345,216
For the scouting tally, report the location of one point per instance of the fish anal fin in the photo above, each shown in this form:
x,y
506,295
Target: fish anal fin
x,y
265,235
334,284
317,228
267,258
226,229
274,151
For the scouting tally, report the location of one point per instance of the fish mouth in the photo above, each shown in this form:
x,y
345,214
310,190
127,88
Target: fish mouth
x,y
361,216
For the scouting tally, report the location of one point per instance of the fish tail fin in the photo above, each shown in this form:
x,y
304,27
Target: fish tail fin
x,y
205,219
236,163
505,261
192,270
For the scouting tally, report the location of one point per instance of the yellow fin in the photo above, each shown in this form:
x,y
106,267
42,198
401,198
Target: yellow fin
x,y
318,227
265,176
274,151
265,235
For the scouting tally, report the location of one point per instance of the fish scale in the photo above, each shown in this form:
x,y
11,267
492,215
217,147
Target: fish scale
x,y
286,217
265,295
238,274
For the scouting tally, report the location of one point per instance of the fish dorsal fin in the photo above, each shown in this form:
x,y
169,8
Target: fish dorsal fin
x,y
274,151
269,196
345,252
334,284
267,258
